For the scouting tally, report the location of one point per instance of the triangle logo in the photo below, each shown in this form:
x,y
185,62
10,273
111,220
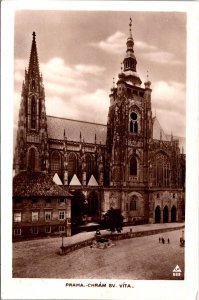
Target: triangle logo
x,y
177,269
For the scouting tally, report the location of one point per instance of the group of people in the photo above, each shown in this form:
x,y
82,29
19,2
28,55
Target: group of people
x,y
163,241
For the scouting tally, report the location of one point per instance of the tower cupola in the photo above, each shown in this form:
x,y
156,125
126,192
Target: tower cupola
x,y
130,61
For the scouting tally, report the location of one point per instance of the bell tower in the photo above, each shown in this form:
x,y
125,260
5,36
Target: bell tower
x,y
31,151
129,127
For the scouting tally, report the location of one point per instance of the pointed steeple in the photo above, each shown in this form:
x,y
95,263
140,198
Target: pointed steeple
x,y
130,59
32,119
129,71
33,69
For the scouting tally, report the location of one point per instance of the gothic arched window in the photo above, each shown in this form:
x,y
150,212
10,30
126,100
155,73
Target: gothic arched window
x,y
33,112
133,122
32,159
56,162
161,170
133,166
72,165
133,202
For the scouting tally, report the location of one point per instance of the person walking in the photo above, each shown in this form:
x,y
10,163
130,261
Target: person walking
x,y
168,241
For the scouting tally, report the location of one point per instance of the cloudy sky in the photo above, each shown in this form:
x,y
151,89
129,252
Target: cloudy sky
x,y
81,51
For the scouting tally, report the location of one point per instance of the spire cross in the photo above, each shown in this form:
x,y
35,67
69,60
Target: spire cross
x,y
34,34
130,24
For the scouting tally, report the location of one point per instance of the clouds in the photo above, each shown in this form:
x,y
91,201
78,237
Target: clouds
x,y
162,57
168,99
69,90
115,44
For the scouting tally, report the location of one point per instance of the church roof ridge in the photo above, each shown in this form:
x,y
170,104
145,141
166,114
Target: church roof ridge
x,y
82,121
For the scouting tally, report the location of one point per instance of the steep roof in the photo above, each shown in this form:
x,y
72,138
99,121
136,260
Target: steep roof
x,y
92,181
75,181
57,180
36,184
56,127
157,130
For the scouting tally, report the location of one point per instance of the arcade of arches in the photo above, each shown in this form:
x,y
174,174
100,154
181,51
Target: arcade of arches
x,y
165,215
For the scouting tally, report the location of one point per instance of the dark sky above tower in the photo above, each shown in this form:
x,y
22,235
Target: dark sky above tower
x,y
81,51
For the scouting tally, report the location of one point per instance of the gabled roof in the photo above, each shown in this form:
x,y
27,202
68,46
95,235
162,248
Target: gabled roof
x,y
75,181
36,184
158,131
92,181
57,180
56,127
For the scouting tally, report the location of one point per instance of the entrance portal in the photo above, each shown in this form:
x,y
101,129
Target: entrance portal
x,y
165,214
173,214
157,214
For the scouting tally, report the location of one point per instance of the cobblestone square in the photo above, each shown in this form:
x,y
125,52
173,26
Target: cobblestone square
x,y
136,258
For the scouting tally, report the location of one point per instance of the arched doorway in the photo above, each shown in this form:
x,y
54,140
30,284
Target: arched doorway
x,y
77,207
165,214
173,214
93,204
157,214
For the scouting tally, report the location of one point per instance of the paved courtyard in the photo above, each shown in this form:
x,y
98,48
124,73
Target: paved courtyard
x,y
136,258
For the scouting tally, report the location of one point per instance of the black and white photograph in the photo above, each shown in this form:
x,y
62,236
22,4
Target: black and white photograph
x,y
99,162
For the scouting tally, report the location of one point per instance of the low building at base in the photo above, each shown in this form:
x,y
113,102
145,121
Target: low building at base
x,y
40,206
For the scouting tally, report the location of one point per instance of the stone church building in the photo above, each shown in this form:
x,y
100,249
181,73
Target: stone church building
x,y
130,163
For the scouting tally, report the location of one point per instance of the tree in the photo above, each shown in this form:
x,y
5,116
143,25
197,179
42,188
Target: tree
x,y
113,220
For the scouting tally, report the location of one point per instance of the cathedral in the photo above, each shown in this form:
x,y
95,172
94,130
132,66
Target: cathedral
x,y
129,164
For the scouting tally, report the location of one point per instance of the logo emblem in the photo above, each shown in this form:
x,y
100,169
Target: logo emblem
x,y
177,271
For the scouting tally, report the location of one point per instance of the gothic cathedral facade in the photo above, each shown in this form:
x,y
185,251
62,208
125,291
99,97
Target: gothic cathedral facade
x,y
121,165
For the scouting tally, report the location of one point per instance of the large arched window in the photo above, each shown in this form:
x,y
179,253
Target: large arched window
x,y
33,112
161,170
133,122
133,202
56,162
72,165
32,159
133,166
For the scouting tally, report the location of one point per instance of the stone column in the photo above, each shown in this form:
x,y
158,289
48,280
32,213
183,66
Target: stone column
x,y
161,215
66,178
84,178
169,216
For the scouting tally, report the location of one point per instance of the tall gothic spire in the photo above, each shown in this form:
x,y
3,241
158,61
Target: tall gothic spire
x,y
33,69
